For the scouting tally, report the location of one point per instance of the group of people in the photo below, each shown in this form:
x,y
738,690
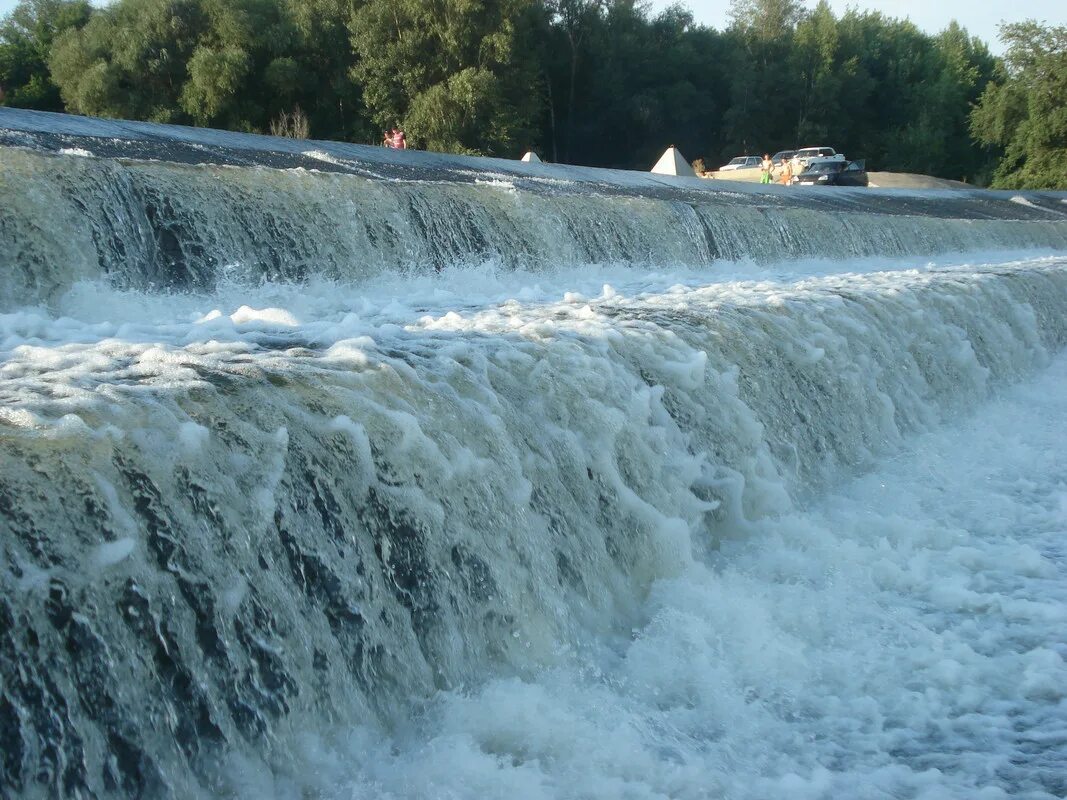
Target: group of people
x,y
395,139
767,171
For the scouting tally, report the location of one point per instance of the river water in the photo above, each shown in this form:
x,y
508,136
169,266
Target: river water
x,y
349,485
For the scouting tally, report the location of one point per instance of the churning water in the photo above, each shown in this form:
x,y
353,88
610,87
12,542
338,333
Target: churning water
x,y
452,478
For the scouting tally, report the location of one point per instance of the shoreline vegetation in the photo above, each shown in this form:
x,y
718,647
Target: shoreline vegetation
x,y
591,82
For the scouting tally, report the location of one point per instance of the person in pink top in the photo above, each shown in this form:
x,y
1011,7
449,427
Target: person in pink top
x,y
399,142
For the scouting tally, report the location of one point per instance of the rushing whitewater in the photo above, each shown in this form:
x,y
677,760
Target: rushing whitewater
x,y
435,477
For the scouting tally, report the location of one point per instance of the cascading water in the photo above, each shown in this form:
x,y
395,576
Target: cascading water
x,y
456,478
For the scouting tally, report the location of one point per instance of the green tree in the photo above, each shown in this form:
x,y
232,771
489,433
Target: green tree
x,y
570,23
26,37
130,60
967,69
878,65
1024,111
319,74
642,84
765,90
597,82
240,73
456,72
235,64
820,73
933,136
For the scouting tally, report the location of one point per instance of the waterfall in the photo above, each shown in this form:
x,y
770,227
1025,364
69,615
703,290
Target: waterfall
x,y
274,459
159,225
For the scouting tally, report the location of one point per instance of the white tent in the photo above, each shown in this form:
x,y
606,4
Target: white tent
x,y
673,163
531,156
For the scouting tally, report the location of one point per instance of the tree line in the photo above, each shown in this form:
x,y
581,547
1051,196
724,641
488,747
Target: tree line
x,y
595,82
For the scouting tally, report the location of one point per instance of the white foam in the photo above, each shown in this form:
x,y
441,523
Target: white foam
x,y
264,318
110,553
495,182
862,646
319,155
192,436
233,596
888,637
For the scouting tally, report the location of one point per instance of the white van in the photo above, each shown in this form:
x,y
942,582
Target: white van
x,y
741,162
806,155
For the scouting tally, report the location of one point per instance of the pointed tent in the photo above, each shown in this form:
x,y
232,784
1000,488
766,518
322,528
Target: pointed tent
x,y
673,163
531,157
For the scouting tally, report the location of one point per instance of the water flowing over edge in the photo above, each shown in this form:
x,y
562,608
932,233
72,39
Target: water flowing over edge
x,y
281,524
360,212
394,478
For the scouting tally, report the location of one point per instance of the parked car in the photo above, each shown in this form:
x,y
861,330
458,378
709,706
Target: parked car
x,y
786,154
833,172
741,162
806,155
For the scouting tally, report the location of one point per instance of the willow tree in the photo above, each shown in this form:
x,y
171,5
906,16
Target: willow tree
x,y
241,74
1024,111
26,37
129,60
457,74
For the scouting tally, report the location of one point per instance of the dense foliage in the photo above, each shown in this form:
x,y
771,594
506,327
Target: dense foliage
x,y
597,82
26,38
1024,110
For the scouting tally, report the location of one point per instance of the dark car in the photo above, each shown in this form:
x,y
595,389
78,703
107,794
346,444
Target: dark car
x,y
827,172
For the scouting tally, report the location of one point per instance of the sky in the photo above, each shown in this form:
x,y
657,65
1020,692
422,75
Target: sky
x,y
979,18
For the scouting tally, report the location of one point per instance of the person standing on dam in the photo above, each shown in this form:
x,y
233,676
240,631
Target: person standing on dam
x,y
766,168
395,138
787,173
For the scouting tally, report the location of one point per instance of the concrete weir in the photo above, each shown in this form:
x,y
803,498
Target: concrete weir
x,y
182,208
330,471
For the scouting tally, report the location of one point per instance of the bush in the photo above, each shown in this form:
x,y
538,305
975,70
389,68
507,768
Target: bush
x,y
292,124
